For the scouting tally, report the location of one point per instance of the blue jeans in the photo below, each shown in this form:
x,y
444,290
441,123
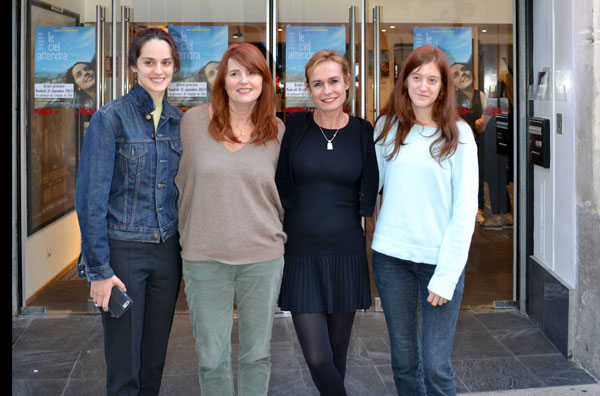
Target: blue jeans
x,y
420,360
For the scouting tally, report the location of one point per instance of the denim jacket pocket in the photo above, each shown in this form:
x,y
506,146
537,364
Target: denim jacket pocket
x,y
132,160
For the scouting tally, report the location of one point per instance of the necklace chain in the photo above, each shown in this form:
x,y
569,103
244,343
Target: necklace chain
x,y
329,141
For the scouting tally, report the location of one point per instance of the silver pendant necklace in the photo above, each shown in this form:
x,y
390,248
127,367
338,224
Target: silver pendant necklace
x,y
329,141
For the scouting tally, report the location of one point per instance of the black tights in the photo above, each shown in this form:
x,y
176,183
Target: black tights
x,y
324,339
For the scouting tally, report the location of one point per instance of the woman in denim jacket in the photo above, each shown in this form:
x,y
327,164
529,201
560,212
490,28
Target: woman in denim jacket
x,y
126,203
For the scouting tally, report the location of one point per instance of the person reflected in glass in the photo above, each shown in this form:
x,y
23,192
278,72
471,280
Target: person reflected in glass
x,y
83,77
327,179
208,74
126,203
471,105
428,169
230,221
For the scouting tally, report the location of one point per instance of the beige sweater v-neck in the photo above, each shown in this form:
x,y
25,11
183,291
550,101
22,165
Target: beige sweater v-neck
x,y
229,207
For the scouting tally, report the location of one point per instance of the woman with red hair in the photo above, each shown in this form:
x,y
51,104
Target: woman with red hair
x,y
230,222
428,168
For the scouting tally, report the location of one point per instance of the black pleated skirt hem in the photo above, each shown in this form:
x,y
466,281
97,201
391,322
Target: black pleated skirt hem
x,y
325,284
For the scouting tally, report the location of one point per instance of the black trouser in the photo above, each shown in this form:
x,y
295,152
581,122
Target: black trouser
x,y
135,345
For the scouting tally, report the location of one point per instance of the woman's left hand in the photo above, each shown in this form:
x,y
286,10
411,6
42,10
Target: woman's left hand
x,y
435,300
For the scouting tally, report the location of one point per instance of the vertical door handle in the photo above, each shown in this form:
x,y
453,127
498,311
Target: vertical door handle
x,y
99,56
363,59
352,49
376,61
124,61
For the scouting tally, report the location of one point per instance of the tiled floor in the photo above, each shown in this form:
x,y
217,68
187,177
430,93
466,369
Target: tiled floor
x,y
494,350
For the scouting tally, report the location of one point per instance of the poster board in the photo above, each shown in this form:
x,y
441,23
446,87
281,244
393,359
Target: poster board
x,y
200,50
301,44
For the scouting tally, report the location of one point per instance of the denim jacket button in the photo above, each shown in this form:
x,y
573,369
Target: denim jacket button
x,y
152,136
155,236
148,116
159,185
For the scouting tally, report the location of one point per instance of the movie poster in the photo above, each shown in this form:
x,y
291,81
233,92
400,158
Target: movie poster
x,y
455,42
301,44
200,50
65,67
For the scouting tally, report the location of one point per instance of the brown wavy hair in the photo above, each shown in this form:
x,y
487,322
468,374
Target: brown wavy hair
x,y
263,113
399,106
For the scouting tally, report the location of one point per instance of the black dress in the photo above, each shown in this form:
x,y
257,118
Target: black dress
x,y
326,267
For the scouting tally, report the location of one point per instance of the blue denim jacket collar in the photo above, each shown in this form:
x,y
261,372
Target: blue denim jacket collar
x,y
145,104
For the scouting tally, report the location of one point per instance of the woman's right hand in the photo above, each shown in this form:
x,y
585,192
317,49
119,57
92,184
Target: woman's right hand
x,y
100,291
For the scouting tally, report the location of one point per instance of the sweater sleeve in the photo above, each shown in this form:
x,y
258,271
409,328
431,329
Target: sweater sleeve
x,y
456,241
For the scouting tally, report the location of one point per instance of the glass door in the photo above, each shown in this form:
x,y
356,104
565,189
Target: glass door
x,y
202,33
304,28
478,42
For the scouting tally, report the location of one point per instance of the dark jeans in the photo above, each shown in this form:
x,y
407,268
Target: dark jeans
x,y
135,345
420,360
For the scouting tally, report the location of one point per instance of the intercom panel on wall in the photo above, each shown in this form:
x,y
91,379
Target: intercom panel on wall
x,y
538,134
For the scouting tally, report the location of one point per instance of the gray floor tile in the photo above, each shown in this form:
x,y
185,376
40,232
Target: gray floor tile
x,y
467,323
525,341
43,364
364,381
180,385
492,351
38,387
387,377
181,359
503,320
59,335
287,383
90,364
378,350
480,375
555,370
477,345
91,386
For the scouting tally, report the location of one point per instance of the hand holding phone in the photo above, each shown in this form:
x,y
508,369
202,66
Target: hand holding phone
x,y
119,302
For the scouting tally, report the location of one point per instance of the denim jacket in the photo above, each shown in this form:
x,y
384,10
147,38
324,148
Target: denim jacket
x,y
125,181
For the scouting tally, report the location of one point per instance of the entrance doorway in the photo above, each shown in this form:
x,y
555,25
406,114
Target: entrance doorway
x,y
375,36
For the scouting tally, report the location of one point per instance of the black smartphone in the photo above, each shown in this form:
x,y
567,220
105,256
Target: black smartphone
x,y
119,302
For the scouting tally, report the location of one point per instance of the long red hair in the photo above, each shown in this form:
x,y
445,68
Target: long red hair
x,y
263,116
399,106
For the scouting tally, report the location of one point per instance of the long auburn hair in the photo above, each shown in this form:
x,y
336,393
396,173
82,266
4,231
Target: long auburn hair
x,y
399,106
263,115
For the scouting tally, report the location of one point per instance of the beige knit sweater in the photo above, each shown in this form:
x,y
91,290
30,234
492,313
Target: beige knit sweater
x,y
229,208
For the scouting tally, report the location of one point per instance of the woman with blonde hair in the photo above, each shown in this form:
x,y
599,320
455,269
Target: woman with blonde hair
x,y
327,180
428,168
230,222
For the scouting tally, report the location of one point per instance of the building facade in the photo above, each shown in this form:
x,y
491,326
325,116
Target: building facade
x,y
537,63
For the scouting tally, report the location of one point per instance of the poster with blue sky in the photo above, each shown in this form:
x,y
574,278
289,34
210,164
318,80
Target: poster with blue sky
x,y
200,50
57,50
301,44
455,42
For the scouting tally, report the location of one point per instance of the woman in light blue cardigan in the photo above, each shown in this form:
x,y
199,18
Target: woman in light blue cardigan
x,y
428,169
